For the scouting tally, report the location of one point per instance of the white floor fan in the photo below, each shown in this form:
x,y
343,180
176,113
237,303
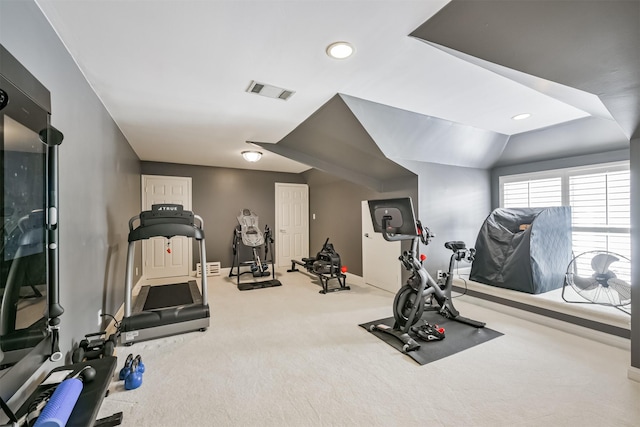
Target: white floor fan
x,y
600,277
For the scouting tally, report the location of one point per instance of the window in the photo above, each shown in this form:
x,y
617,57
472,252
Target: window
x,y
598,196
534,193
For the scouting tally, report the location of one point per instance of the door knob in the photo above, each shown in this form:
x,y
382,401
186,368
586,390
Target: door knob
x,y
366,234
283,231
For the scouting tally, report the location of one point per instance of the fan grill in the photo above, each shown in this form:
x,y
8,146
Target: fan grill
x,y
600,277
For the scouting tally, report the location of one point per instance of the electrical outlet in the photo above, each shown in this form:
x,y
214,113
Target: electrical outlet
x,y
99,317
440,274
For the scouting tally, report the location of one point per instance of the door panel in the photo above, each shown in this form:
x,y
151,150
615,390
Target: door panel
x,y
292,223
166,257
380,265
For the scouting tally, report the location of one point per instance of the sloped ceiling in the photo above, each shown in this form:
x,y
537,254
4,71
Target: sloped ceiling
x,y
592,46
583,54
334,141
174,76
405,135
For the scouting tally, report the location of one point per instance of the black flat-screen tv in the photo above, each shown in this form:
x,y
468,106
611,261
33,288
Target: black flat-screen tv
x,y
28,240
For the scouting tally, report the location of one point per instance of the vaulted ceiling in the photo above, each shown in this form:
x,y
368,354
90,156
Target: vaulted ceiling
x,y
583,53
434,81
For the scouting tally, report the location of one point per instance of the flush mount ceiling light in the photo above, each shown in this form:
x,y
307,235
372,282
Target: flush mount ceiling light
x,y
340,50
521,116
251,156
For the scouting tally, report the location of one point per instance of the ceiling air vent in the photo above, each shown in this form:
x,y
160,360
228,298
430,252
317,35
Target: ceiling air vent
x,y
270,91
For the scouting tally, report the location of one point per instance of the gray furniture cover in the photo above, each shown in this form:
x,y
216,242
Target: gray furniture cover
x,y
533,260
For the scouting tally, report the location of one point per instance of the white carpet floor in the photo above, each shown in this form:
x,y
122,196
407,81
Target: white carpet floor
x,y
289,356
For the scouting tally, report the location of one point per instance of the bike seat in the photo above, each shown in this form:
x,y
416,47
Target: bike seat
x,y
455,245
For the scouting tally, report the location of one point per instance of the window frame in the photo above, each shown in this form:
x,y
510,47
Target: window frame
x,y
564,174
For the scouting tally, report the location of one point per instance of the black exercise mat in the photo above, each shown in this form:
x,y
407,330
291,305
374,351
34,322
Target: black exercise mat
x,y
168,296
458,337
247,286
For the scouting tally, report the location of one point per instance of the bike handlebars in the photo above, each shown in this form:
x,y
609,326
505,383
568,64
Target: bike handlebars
x,y
422,232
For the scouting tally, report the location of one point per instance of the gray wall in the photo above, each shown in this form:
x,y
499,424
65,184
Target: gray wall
x,y
219,194
337,206
99,174
454,202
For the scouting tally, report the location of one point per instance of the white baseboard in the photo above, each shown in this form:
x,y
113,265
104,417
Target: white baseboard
x,y
633,374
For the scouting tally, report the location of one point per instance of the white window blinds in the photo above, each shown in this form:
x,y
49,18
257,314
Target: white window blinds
x,y
533,193
599,198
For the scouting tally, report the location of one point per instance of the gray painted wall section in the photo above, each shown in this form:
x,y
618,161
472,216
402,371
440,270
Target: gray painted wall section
x,y
99,174
337,206
220,193
576,138
454,202
218,196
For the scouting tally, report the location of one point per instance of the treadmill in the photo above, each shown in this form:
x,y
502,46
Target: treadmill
x,y
164,310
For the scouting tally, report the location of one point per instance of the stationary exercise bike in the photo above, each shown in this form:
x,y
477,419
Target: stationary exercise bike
x,y
394,219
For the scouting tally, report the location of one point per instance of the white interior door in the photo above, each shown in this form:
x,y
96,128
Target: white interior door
x,y
292,223
380,265
166,257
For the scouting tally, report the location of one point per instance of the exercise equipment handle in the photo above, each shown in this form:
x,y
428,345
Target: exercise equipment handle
x,y
391,237
132,221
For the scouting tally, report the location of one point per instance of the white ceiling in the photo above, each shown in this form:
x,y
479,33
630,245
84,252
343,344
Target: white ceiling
x,y
174,74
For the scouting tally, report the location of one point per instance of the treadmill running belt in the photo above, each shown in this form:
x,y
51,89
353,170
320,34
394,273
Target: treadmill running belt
x,y
168,296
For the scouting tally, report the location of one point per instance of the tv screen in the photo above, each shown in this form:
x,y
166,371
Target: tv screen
x,y
401,219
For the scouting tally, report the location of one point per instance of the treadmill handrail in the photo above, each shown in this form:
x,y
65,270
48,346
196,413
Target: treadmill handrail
x,y
198,234
167,227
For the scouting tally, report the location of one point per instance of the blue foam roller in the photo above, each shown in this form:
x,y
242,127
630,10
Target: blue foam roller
x,y
57,411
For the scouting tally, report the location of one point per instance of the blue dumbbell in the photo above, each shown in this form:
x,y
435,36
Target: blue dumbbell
x,y
134,379
126,368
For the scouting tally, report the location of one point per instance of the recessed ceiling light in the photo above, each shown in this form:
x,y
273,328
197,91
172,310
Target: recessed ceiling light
x,y
251,156
340,50
521,116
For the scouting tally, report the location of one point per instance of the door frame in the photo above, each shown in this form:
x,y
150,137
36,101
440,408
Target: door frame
x,y
277,218
188,180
